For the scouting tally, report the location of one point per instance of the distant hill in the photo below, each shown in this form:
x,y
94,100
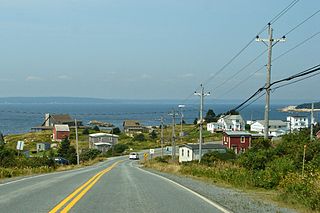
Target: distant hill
x,y
308,106
49,100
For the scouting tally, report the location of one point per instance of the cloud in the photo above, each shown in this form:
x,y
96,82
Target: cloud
x,y
33,78
146,76
63,77
6,80
188,75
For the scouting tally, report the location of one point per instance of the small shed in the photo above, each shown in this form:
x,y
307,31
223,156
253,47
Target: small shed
x,y
60,132
43,146
190,152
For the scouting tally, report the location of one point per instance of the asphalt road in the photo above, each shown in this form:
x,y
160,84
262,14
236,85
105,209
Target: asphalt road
x,y
117,185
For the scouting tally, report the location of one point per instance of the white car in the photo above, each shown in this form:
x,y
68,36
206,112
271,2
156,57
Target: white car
x,y
134,156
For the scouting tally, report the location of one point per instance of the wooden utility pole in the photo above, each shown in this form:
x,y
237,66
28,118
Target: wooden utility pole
x,y
201,94
269,43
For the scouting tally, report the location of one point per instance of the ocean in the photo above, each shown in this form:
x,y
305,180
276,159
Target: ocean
x,y
21,117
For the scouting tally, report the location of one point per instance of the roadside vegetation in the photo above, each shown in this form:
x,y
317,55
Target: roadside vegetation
x,y
272,167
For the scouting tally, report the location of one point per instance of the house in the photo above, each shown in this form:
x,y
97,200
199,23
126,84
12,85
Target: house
x,y
1,139
232,122
98,140
276,127
296,122
60,132
239,141
190,152
52,119
43,147
132,126
318,134
214,127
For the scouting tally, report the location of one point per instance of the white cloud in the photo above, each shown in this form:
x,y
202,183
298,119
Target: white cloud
x,y
6,80
146,76
63,77
33,78
188,75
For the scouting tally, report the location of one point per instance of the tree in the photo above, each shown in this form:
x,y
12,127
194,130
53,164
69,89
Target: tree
x,y
195,121
210,116
153,135
116,130
67,151
85,131
96,128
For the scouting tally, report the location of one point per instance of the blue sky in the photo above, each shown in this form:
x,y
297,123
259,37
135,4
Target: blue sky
x,y
142,49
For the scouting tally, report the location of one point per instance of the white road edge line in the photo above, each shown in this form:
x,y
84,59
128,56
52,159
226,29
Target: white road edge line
x,y
224,210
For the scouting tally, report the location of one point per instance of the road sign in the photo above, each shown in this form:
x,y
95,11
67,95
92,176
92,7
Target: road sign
x,y
151,151
20,145
145,155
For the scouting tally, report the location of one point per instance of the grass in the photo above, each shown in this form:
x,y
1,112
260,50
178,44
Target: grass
x,y
228,179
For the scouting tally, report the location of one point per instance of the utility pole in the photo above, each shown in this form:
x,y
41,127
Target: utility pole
x,y
311,122
269,43
173,114
162,141
77,144
201,94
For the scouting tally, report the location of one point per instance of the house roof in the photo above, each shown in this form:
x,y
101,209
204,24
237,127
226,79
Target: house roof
x,y
237,133
59,118
232,117
273,122
204,146
131,123
101,134
62,127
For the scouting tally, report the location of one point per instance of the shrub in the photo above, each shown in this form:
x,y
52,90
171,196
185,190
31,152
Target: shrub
x,y
303,190
139,137
85,131
89,154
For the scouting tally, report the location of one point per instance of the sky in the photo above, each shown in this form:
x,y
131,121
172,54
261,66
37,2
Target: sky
x,y
142,49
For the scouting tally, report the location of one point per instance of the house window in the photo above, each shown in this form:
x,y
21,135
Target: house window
x,y
182,152
242,139
188,153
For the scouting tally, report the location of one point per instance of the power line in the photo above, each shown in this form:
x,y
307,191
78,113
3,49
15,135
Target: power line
x,y
301,23
284,11
275,59
298,75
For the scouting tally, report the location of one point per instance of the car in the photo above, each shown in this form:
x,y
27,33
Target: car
x,y
134,156
61,161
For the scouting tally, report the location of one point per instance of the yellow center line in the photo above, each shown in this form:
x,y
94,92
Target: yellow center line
x,y
82,189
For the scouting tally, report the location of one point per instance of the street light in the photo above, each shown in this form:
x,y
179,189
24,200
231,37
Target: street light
x,y
181,106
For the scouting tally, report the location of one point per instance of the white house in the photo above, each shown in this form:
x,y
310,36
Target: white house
x,y
276,127
213,127
101,140
190,152
296,122
232,123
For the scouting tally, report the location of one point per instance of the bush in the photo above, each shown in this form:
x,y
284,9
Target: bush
x,y
116,131
139,137
120,148
89,154
210,157
86,131
303,190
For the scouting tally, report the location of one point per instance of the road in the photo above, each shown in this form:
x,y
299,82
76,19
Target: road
x,y
117,185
